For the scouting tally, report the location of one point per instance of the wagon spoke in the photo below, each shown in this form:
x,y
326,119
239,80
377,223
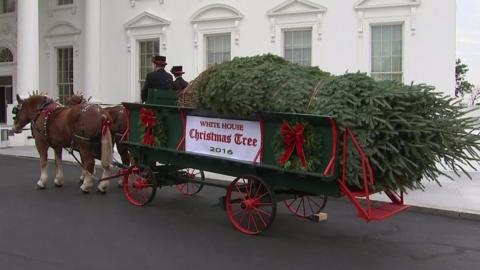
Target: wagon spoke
x,y
250,186
264,204
254,221
310,205
263,212
316,203
240,212
190,188
238,189
261,218
258,189
290,204
303,206
263,195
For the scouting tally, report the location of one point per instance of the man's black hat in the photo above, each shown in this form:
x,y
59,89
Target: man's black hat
x,y
177,70
159,60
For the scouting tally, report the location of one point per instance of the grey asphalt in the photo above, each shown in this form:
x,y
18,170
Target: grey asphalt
x,y
64,229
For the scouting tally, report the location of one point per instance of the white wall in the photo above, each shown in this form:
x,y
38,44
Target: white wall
x,y
429,47
57,28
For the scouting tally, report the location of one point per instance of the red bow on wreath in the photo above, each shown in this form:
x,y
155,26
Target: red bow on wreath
x,y
293,138
149,120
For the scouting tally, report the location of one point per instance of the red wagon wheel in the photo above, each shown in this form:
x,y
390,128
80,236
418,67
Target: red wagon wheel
x,y
251,205
306,206
139,186
191,188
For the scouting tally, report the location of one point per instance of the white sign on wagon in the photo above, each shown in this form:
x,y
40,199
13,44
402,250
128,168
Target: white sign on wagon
x,y
235,139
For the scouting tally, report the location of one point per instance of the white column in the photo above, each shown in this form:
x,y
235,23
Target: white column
x,y
28,73
92,49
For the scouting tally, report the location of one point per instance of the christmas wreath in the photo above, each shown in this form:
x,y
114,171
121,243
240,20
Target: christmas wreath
x,y
298,146
151,129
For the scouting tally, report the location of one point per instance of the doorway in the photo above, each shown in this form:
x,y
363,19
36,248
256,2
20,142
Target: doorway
x,y
6,97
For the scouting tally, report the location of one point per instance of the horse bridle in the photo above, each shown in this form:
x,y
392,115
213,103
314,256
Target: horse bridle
x,y
16,110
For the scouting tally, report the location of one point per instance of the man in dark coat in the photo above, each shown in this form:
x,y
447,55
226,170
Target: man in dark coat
x,y
157,79
179,84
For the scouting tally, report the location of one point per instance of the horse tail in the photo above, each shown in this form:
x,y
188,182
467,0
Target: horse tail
x,y
107,144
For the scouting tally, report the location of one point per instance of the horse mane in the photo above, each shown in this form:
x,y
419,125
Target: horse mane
x,y
76,98
38,93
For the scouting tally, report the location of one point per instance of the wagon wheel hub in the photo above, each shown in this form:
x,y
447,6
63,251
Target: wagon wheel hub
x,y
140,183
249,204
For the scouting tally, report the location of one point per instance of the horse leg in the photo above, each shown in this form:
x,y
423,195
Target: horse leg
x,y
123,151
89,165
82,176
42,149
103,186
58,166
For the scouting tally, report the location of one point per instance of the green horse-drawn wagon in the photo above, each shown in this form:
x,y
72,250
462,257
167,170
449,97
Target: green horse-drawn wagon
x,y
267,154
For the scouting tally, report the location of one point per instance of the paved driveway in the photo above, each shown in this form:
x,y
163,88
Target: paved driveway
x,y
64,229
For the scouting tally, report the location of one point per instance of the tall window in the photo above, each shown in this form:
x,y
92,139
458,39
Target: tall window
x,y
6,55
64,2
5,96
387,52
148,49
64,73
7,6
298,46
218,49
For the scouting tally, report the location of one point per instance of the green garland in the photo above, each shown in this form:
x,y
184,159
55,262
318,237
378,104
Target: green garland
x,y
312,148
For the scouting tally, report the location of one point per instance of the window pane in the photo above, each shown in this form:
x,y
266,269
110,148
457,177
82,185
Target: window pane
x,y
65,2
64,73
6,55
387,52
148,49
218,49
298,46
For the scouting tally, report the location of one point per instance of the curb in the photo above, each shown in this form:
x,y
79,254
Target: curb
x,y
444,212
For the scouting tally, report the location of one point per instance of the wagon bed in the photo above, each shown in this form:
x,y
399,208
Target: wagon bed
x,y
166,158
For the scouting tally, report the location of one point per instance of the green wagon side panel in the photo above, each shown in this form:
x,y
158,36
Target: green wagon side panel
x,y
279,178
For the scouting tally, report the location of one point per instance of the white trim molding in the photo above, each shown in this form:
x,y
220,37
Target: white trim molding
x,y
147,24
214,19
53,7
144,26
133,2
369,4
294,12
10,44
406,9
216,12
64,33
144,20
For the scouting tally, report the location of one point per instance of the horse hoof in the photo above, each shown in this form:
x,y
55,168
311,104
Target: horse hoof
x,y
39,187
58,185
84,191
103,192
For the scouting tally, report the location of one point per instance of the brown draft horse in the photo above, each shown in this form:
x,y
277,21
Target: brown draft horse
x,y
83,126
118,128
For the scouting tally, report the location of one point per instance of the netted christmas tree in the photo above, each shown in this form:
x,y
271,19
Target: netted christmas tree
x,y
405,130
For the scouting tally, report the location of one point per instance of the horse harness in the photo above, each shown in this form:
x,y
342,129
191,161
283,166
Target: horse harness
x,y
46,108
49,106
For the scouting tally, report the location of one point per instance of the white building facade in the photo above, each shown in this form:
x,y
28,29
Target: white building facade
x,y
103,47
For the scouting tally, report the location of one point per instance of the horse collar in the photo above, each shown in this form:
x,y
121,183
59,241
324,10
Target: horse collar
x,y
46,110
